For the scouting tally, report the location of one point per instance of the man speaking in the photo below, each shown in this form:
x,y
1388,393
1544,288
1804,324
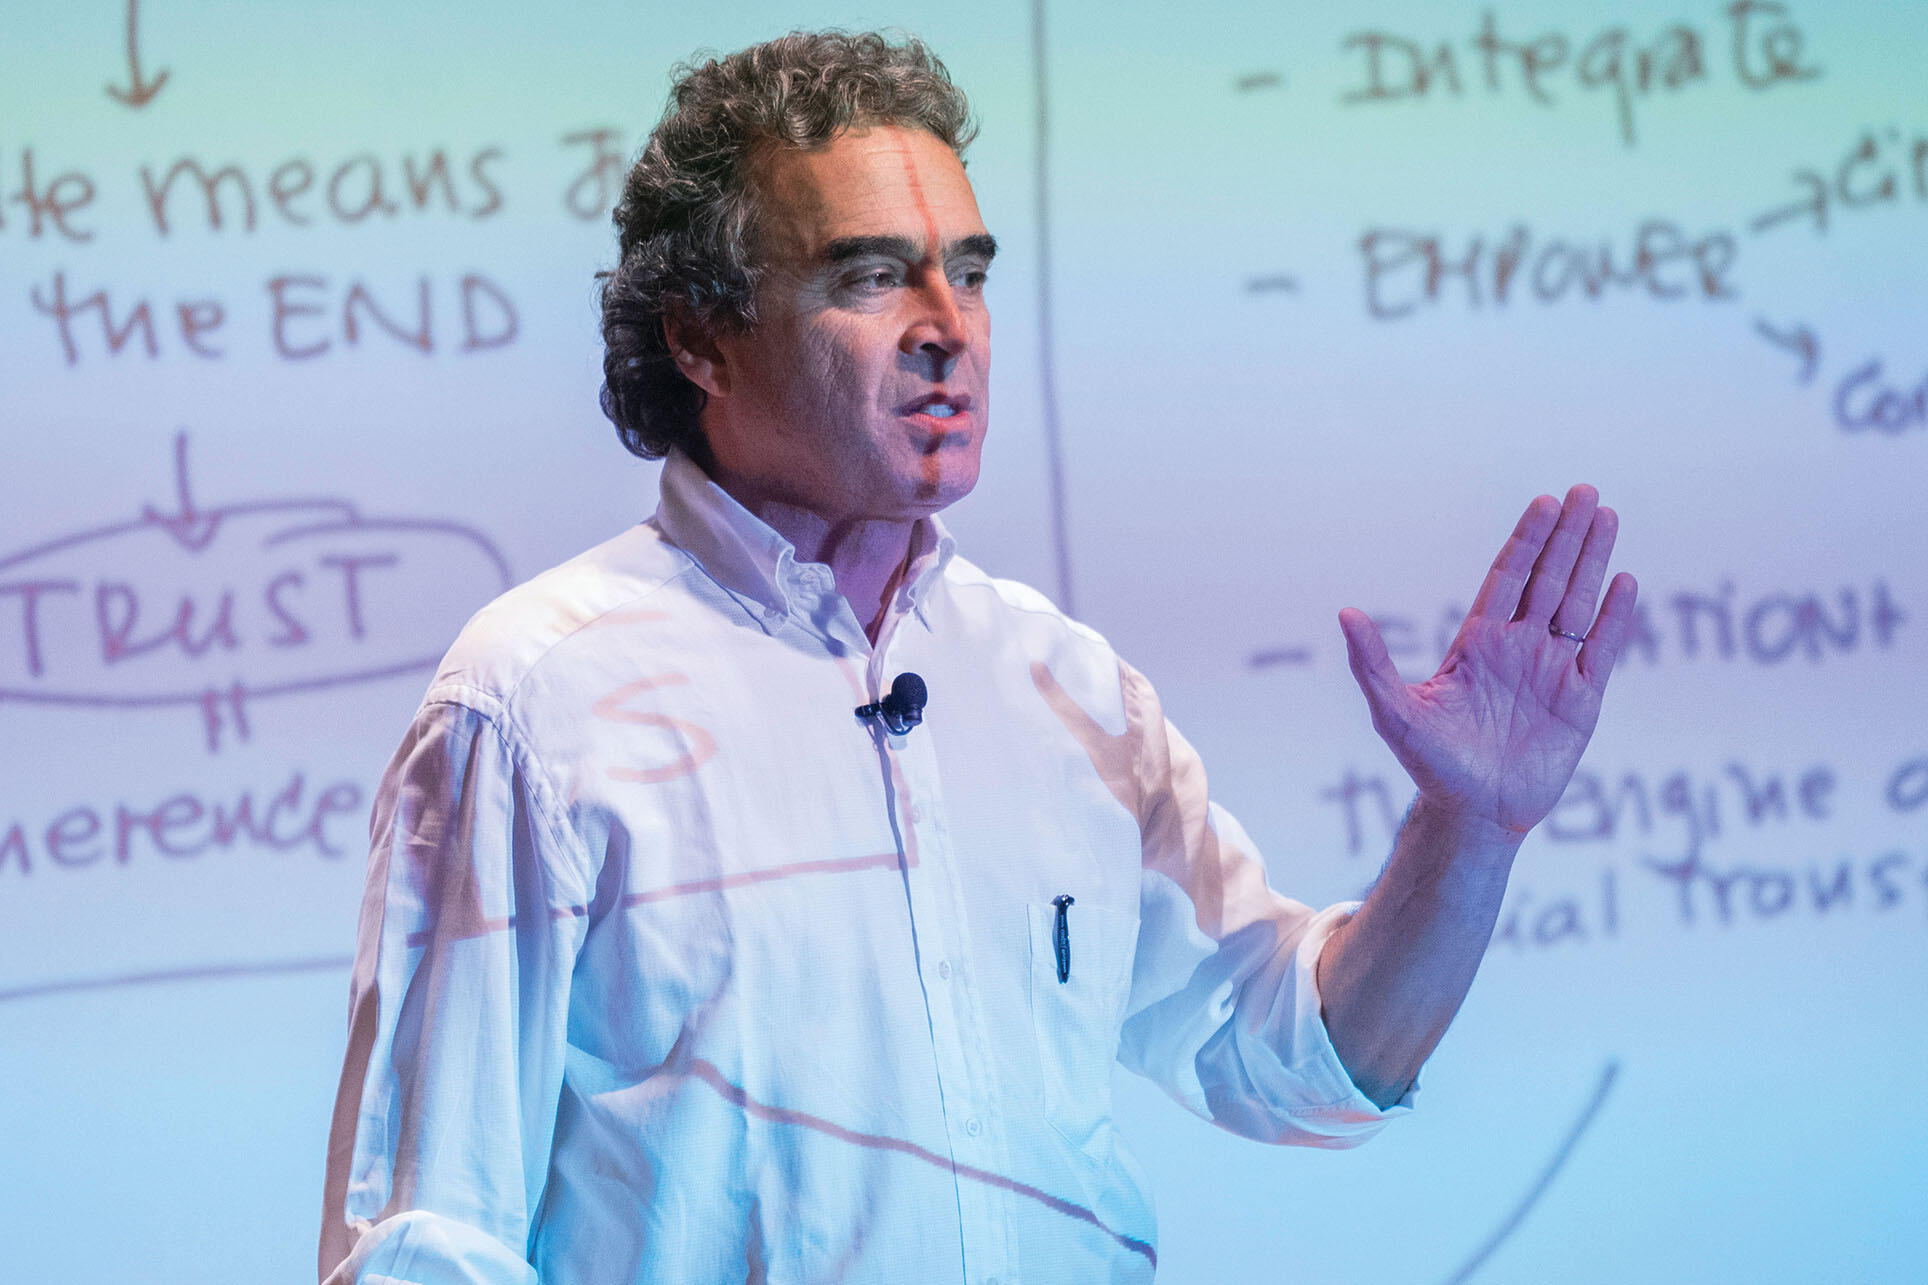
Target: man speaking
x,y
764,895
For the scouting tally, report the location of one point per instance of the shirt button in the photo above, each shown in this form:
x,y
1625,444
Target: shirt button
x,y
916,814
944,969
972,1127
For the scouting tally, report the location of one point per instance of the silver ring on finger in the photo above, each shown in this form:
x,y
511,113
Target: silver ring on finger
x,y
1558,632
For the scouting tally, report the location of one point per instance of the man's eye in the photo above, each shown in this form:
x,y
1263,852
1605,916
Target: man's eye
x,y
881,279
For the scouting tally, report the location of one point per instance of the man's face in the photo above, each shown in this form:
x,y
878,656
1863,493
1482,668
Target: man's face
x,y
862,392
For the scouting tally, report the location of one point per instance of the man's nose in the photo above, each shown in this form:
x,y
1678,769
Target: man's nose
x,y
937,331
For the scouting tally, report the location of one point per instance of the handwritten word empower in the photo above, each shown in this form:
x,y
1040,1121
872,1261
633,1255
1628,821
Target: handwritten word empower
x,y
184,826
1406,270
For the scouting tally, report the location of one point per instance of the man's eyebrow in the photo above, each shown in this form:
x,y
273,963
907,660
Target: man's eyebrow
x,y
981,245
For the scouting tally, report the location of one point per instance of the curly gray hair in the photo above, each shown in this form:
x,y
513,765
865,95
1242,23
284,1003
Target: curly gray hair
x,y
687,219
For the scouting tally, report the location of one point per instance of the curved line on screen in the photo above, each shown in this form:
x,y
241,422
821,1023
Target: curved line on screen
x,y
205,973
1560,1155
293,686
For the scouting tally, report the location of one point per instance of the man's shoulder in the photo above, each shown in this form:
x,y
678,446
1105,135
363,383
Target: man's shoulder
x,y
520,631
1013,600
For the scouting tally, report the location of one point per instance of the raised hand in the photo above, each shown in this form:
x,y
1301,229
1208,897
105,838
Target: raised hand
x,y
1495,734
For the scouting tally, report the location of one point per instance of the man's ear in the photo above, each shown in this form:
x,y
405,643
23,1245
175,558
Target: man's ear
x,y
694,350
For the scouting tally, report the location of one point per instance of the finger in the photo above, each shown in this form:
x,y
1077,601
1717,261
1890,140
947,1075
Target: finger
x,y
1610,630
1548,583
1371,663
1499,593
1583,591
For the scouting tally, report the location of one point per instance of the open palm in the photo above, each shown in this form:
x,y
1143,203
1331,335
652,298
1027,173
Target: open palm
x,y
1496,732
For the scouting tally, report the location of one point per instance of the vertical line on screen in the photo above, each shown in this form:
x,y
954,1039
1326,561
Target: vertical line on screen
x,y
1047,370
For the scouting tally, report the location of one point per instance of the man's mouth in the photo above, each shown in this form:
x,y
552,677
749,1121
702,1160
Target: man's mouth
x,y
937,406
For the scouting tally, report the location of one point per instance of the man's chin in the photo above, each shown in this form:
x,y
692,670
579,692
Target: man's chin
x,y
943,479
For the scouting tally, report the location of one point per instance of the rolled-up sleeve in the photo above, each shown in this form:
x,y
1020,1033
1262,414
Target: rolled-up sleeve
x,y
470,923
1224,1010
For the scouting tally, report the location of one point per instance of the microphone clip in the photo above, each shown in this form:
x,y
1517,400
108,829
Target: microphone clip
x,y
903,708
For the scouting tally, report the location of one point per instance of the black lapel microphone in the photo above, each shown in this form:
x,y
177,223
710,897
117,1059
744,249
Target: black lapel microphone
x,y
903,709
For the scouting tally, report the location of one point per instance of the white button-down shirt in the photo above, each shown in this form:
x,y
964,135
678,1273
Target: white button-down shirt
x,y
674,969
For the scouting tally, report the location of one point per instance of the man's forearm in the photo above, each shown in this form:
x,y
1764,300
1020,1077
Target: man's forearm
x,y
1391,979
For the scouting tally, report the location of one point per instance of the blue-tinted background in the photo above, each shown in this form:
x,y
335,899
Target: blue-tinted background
x,y
1695,1052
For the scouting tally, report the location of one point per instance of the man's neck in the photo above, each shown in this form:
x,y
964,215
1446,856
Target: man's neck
x,y
868,557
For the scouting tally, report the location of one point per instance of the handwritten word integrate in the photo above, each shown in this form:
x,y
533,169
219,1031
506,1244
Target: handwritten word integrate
x,y
214,608
1763,48
1406,271
325,821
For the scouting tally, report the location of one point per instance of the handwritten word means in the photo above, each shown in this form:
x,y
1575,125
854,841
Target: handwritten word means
x,y
299,191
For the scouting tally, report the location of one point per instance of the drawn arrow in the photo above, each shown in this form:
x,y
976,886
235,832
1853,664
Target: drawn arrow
x,y
189,526
139,93
1799,340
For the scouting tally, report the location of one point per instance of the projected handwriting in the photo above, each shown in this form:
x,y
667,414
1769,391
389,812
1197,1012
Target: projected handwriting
x,y
1716,623
1866,400
1798,340
326,821
1704,892
1761,49
215,608
304,317
592,193
1679,810
299,191
1407,270
693,744
53,200
140,91
1673,821
1882,169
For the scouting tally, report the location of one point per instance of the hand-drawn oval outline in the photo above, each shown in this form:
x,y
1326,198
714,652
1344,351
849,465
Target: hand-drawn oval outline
x,y
194,529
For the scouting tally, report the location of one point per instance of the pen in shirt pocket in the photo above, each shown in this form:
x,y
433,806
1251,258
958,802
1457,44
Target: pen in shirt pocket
x,y
1061,935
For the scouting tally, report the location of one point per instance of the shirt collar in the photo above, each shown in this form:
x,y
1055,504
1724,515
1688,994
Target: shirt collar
x,y
746,556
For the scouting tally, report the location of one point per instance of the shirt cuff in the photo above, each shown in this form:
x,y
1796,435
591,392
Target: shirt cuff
x,y
1337,1110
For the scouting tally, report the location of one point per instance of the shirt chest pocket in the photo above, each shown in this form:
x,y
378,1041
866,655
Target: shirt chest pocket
x,y
1076,1012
